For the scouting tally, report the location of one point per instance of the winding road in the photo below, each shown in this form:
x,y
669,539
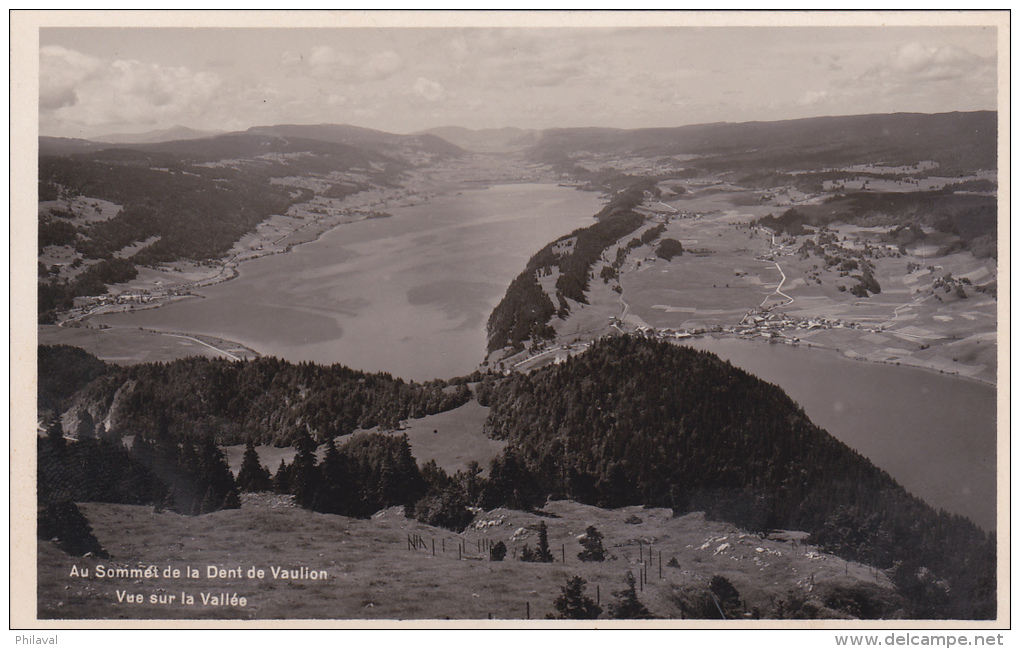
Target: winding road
x,y
779,288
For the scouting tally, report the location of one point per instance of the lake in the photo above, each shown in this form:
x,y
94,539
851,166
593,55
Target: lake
x,y
934,434
409,294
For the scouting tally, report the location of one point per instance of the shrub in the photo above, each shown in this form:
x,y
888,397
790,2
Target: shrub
x,y
592,544
497,552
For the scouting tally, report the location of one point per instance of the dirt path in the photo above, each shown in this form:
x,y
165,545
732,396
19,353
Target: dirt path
x,y
202,342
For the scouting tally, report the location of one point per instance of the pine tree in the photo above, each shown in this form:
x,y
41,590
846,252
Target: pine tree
x,y
215,475
281,481
510,484
210,502
592,543
337,493
527,554
63,521
573,604
232,500
726,595
543,553
627,606
471,482
303,475
252,476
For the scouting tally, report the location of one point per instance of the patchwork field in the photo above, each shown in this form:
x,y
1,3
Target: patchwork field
x,y
934,310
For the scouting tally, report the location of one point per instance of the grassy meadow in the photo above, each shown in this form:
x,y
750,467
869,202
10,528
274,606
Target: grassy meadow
x,y
374,573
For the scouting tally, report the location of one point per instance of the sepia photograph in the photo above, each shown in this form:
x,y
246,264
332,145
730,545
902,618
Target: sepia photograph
x,y
510,319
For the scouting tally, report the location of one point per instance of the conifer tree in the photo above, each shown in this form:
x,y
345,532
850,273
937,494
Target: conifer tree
x,y
573,604
232,500
543,553
253,476
726,595
210,502
627,606
63,521
303,475
337,492
281,481
215,475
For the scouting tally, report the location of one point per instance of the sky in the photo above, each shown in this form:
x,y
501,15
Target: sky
x,y
95,81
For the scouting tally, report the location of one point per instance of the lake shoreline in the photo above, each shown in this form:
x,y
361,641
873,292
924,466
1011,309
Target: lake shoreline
x,y
861,359
433,270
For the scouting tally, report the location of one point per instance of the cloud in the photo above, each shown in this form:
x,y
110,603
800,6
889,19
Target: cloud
x,y
80,91
814,97
327,62
58,97
60,72
428,89
916,62
525,58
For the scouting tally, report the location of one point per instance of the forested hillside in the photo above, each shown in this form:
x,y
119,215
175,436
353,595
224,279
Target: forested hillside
x,y
266,400
194,199
629,422
633,421
188,215
955,141
526,309
970,217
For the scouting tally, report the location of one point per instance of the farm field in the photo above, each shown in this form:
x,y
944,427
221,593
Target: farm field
x,y
127,346
372,572
729,269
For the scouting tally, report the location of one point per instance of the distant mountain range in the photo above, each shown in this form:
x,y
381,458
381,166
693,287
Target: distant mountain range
x,y
320,139
177,132
487,140
954,140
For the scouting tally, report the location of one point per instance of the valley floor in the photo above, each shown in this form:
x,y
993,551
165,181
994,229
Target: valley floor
x,y
736,280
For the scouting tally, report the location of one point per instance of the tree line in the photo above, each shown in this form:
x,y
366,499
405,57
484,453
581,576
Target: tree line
x,y
265,400
526,309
